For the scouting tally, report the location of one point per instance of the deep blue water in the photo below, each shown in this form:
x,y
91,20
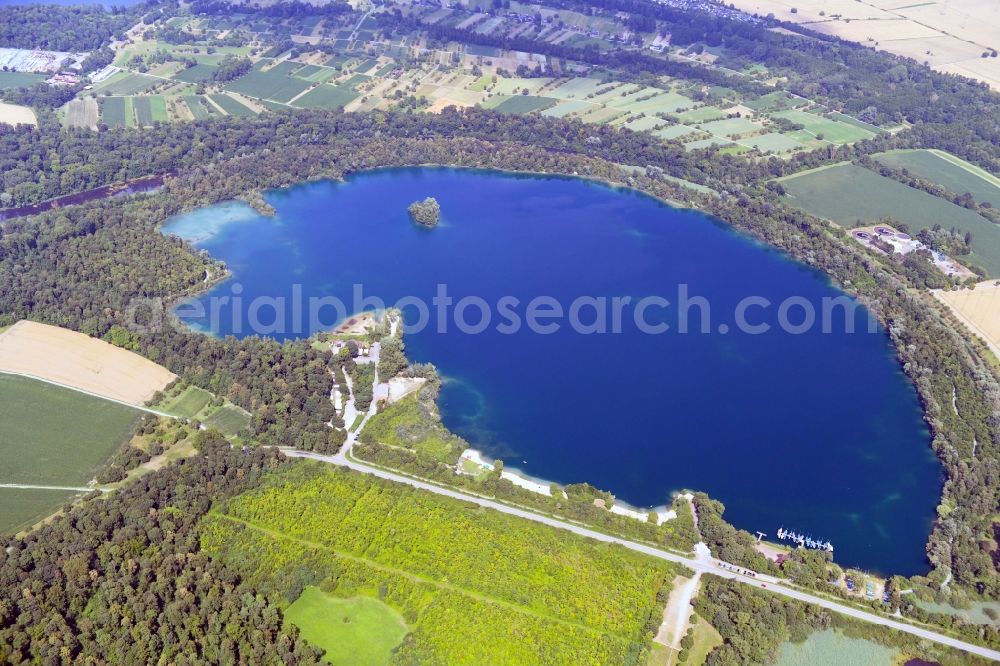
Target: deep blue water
x,y
819,432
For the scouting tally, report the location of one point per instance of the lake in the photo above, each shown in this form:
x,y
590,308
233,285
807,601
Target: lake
x,y
816,431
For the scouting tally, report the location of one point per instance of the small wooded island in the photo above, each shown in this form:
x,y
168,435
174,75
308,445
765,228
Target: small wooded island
x,y
426,213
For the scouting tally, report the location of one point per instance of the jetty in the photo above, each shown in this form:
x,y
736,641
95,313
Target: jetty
x,y
803,540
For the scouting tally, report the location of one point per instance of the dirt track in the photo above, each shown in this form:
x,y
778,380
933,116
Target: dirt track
x,y
78,361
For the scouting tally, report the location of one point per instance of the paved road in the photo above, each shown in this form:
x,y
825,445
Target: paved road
x,y
703,563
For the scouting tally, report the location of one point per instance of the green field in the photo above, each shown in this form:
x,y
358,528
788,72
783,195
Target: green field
x,y
853,196
22,508
274,84
228,419
524,104
952,173
19,79
730,127
200,107
772,142
188,403
834,131
475,586
116,111
327,97
50,435
232,106
702,114
773,102
197,74
149,110
410,424
832,648
360,631
126,83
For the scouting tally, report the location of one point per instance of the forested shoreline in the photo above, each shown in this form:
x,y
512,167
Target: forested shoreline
x,y
82,267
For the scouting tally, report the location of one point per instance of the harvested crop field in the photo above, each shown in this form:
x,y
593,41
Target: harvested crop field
x,y
979,309
75,360
12,114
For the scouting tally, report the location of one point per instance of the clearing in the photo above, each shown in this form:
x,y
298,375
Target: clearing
x,y
78,361
360,631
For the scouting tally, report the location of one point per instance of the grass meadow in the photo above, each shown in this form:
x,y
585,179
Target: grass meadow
x,y
360,631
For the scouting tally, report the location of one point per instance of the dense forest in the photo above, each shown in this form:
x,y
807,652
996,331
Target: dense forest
x,y
123,580
73,28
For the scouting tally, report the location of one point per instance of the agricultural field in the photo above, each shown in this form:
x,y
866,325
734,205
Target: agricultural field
x,y
200,107
977,308
854,196
360,631
232,106
149,110
21,508
78,361
19,79
186,402
275,84
952,173
82,113
228,419
52,436
524,104
12,114
197,74
327,97
731,127
454,571
826,129
192,402
126,83
117,111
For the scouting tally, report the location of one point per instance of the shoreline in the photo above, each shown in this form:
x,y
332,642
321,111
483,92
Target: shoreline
x,y
544,487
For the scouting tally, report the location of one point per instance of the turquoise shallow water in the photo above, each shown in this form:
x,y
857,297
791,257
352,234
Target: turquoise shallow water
x,y
818,432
